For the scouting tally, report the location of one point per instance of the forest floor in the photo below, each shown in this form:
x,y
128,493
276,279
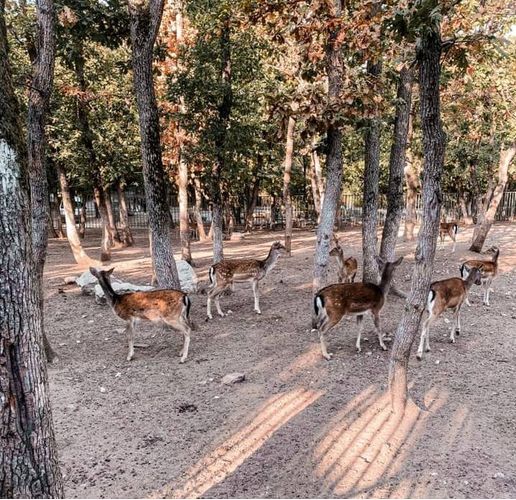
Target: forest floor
x,y
298,426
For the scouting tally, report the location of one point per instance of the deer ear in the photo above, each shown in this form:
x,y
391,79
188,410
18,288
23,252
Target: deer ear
x,y
399,261
109,272
379,261
94,271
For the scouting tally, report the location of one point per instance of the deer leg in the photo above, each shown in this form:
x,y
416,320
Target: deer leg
x,y
488,289
456,322
454,243
256,297
129,331
322,330
208,305
360,327
376,319
182,326
425,337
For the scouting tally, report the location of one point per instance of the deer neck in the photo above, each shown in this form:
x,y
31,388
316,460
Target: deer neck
x,y
270,261
109,293
468,282
385,282
495,256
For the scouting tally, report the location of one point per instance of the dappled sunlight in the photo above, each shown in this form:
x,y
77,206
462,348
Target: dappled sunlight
x,y
226,458
306,360
367,443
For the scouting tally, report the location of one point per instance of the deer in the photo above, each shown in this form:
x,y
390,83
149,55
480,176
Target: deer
x,y
347,268
335,301
446,294
225,273
489,271
158,306
451,229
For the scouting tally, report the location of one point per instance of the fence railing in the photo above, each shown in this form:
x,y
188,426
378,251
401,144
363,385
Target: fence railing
x,y
269,211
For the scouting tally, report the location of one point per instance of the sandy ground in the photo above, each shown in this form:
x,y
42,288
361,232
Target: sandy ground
x,y
298,426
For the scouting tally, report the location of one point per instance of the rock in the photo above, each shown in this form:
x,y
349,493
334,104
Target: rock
x,y
70,280
437,361
237,236
233,378
187,276
102,389
119,288
498,475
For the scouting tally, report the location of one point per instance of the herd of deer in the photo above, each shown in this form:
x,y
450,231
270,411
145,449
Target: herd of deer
x,y
330,304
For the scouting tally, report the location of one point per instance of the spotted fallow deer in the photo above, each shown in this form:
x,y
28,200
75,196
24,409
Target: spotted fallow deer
x,y
450,293
158,306
334,302
489,271
347,268
229,271
449,229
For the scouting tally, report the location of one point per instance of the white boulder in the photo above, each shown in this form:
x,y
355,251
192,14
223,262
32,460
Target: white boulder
x,y
187,276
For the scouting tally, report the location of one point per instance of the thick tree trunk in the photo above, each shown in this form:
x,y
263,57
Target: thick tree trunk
x,y
71,230
29,466
397,160
198,207
487,216
412,185
107,240
370,199
428,56
56,219
145,21
287,198
224,112
333,159
113,230
42,59
126,236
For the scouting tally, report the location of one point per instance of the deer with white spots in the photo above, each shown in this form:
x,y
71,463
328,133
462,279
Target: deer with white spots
x,y
489,271
347,268
446,294
449,229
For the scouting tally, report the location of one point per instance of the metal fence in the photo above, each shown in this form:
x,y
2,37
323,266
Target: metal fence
x,y
269,211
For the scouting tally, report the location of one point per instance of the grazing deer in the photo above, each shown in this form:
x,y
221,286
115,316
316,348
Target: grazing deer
x,y
228,271
168,306
347,267
335,301
451,229
450,293
489,271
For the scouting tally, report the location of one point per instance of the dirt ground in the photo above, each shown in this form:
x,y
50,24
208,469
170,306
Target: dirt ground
x,y
299,426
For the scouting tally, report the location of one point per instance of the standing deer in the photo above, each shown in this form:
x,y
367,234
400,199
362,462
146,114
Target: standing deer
x,y
333,302
347,268
451,229
168,306
489,271
450,293
228,271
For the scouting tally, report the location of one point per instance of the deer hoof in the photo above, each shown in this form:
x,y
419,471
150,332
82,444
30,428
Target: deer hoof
x,y
384,348
257,311
419,356
328,356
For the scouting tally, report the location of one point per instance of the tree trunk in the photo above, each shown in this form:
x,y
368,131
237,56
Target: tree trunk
x,y
71,230
56,218
397,160
82,218
145,21
224,111
466,217
428,56
29,466
253,198
315,187
371,179
287,198
198,207
126,236
113,230
333,158
487,216
412,184
107,240
42,56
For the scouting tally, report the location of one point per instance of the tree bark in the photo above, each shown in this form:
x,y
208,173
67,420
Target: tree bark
x,y
56,216
113,230
315,187
198,207
82,217
287,198
428,56
487,216
29,466
370,198
253,198
126,236
72,235
145,21
397,161
333,158
42,59
412,185
107,240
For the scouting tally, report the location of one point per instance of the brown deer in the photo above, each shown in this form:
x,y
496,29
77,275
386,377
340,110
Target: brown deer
x,y
489,271
332,303
168,306
347,268
451,229
228,271
450,293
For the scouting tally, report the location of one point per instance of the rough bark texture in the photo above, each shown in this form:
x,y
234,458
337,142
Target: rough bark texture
x,y
197,212
316,195
370,199
42,59
287,198
56,220
428,56
72,235
487,216
126,236
253,196
333,161
107,241
145,21
397,161
28,460
412,185
224,112
113,230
